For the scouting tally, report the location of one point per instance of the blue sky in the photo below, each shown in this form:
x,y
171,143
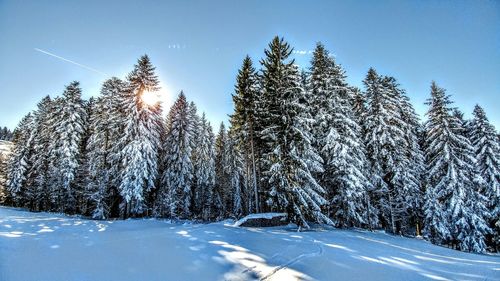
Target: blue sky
x,y
198,46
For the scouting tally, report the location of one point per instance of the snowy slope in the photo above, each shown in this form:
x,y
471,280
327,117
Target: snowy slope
x,y
41,246
5,147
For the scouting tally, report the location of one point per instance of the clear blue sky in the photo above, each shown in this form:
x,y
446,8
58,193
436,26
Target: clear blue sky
x,y
456,43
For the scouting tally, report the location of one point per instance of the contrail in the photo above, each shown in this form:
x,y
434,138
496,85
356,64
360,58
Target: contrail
x,y
70,61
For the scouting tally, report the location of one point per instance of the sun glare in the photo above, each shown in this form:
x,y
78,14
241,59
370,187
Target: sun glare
x,y
151,98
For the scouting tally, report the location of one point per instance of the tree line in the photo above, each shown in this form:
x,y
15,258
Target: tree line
x,y
304,142
5,134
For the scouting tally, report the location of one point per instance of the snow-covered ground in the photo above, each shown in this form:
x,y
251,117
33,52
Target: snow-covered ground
x,y
5,147
42,246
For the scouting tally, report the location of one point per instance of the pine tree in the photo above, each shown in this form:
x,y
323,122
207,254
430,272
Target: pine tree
x,y
437,228
82,175
243,123
105,130
208,178
38,176
53,189
175,190
204,170
235,172
322,82
18,164
385,145
68,129
409,180
5,134
472,227
360,111
359,107
196,128
396,160
305,81
222,177
450,177
140,140
338,138
3,178
272,84
290,158
487,150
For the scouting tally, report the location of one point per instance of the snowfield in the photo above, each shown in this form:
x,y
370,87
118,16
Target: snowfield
x,y
5,147
44,246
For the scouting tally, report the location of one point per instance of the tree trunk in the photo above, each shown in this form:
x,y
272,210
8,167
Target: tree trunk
x,y
254,179
254,172
368,203
393,225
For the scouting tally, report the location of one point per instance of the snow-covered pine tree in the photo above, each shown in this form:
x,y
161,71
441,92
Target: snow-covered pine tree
x,y
208,171
390,129
243,123
83,170
53,157
140,140
68,126
3,178
408,179
359,106
472,228
38,177
196,191
413,177
304,81
174,196
235,172
321,83
496,237
118,114
437,227
487,150
5,134
222,195
158,126
271,80
204,170
338,139
385,146
104,134
451,177
290,158
18,163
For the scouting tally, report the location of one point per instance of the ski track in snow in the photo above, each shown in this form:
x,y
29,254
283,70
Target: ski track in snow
x,y
53,247
294,260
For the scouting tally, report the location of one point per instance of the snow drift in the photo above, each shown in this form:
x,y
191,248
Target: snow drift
x,y
263,220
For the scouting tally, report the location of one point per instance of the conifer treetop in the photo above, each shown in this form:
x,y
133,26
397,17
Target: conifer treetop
x,y
143,76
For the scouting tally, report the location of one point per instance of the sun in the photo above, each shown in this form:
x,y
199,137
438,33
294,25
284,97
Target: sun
x,y
161,97
151,98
